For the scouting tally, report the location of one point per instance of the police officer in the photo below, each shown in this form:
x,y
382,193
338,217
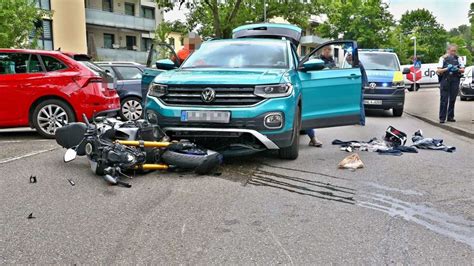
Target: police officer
x,y
450,70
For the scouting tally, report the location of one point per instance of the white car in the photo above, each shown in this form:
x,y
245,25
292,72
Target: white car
x,y
429,78
466,87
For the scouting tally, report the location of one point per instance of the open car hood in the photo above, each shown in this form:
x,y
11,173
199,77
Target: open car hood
x,y
269,30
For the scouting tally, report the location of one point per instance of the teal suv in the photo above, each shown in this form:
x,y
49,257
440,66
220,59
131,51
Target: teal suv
x,y
252,92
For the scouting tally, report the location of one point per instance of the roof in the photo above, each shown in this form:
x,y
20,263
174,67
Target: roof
x,y
112,63
273,25
30,51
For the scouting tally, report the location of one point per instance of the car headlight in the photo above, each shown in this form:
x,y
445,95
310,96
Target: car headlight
x,y
274,90
157,90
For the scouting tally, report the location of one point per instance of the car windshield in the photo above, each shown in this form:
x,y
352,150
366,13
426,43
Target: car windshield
x,y
379,61
240,54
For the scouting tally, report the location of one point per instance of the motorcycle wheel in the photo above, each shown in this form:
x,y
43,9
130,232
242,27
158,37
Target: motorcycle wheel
x,y
202,164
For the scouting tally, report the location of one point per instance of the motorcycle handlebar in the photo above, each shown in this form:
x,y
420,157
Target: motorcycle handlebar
x,y
84,117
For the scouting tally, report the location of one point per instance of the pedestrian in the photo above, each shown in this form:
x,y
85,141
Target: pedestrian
x,y
449,70
326,56
364,84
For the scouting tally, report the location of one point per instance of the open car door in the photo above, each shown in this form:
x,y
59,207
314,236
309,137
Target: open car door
x,y
331,83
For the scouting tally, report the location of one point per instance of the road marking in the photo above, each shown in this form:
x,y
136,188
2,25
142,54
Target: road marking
x,y
22,141
11,159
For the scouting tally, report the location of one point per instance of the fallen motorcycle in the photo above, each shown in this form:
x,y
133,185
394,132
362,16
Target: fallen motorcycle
x,y
115,148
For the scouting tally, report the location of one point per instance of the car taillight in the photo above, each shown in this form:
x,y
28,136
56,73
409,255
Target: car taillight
x,y
84,81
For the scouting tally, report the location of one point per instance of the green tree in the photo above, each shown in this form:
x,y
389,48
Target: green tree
x,y
20,20
471,20
367,21
462,48
431,37
217,18
161,37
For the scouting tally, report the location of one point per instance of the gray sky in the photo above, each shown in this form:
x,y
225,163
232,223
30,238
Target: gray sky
x,y
449,13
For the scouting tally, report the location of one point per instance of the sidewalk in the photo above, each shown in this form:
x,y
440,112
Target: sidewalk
x,y
424,104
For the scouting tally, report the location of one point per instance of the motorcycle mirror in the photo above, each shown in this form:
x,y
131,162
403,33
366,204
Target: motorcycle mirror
x,y
70,155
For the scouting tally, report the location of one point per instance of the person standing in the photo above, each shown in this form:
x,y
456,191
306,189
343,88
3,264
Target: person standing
x,y
450,70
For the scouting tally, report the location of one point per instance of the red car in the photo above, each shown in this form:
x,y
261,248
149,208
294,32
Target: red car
x,y
48,89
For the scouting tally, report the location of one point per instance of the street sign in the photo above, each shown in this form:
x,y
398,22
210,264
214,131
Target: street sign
x,y
417,64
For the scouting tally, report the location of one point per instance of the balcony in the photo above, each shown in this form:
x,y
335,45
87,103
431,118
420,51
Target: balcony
x,y
311,40
116,20
104,54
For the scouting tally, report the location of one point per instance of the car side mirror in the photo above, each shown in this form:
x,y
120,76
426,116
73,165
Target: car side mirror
x,y
312,64
406,71
165,64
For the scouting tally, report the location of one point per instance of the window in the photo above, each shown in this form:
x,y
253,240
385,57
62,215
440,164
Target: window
x,y
171,42
52,64
108,5
131,41
379,61
45,40
130,9
146,44
241,54
43,4
148,12
18,63
109,40
335,56
128,73
109,70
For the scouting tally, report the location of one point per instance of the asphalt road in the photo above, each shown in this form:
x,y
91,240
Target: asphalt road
x,y
413,209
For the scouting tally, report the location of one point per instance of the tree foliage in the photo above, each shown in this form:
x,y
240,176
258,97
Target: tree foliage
x,y
20,20
217,18
431,37
367,21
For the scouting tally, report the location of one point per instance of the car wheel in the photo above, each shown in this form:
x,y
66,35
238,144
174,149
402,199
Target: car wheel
x,y
291,152
131,109
397,112
50,115
411,88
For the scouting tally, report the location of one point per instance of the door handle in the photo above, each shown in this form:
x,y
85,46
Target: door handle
x,y
354,76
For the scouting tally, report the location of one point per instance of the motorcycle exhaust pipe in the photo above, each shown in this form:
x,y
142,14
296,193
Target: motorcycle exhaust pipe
x,y
115,181
146,144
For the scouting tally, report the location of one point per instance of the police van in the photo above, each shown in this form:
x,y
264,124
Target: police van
x,y
386,86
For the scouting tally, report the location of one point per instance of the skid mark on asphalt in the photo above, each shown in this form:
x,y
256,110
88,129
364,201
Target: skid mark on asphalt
x,y
316,189
454,227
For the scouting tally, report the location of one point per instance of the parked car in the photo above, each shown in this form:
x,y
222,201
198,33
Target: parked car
x,y
253,93
129,77
48,89
466,90
385,89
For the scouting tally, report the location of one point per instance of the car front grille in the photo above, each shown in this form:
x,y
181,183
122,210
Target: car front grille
x,y
224,96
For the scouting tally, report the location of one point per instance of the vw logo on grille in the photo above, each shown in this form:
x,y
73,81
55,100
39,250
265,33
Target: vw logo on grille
x,y
208,95
372,85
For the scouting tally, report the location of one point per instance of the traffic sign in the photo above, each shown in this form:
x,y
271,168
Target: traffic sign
x,y
417,64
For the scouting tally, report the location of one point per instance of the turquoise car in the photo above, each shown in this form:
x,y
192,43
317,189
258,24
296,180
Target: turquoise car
x,y
252,92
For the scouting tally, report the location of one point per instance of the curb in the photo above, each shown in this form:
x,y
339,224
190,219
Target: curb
x,y
444,126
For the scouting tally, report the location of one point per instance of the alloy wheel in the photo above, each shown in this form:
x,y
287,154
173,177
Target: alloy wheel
x,y
132,109
52,117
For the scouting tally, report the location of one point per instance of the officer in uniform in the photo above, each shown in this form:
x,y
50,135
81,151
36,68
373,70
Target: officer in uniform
x,y
449,70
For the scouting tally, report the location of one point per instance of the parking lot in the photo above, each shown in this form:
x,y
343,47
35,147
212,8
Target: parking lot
x,y
416,208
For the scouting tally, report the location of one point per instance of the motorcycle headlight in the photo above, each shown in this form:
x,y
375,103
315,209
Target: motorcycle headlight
x,y
274,91
157,90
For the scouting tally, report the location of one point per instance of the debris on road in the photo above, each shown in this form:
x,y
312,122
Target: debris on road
x,y
352,161
32,179
71,182
30,216
430,143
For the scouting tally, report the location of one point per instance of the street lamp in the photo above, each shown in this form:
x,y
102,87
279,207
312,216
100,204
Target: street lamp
x,y
414,61
265,11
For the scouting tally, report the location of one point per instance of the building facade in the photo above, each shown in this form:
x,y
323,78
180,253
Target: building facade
x,y
121,30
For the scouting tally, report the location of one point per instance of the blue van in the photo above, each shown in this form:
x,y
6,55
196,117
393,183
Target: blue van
x,y
253,92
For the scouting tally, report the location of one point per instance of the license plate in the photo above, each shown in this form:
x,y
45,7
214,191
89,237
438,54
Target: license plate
x,y
373,102
205,116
